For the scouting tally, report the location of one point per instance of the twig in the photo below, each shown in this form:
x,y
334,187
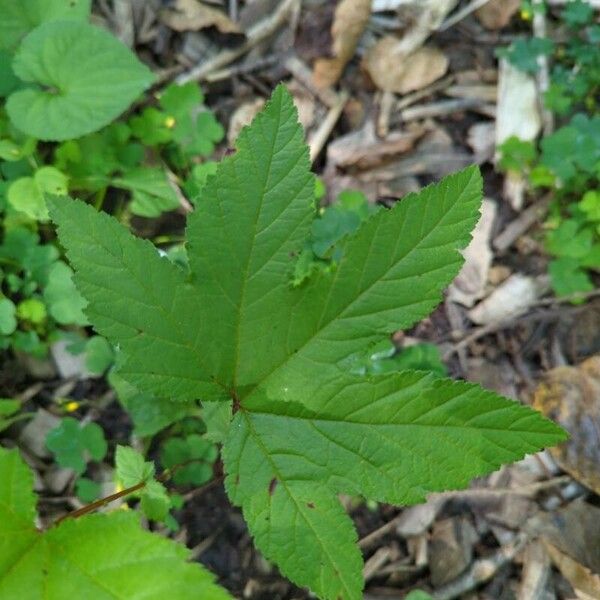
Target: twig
x,y
243,69
444,107
317,141
515,229
438,86
374,536
88,508
459,15
526,490
255,35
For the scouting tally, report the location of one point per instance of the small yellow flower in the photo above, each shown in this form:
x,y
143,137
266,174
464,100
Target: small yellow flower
x,y
72,406
170,122
526,14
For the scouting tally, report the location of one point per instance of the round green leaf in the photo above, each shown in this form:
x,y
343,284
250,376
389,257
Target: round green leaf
x,y
31,310
86,76
27,193
8,321
17,18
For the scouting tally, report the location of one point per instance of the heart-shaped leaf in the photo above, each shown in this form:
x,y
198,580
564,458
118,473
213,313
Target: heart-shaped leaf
x,y
85,76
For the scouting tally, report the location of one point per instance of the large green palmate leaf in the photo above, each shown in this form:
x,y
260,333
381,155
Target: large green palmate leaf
x,y
304,428
97,557
19,17
85,76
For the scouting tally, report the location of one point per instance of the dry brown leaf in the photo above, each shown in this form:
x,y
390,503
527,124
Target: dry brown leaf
x,y
571,536
191,15
571,396
585,583
450,549
497,14
349,22
392,70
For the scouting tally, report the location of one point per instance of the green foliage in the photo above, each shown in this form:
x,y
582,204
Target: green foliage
x,y
38,293
195,455
72,444
149,413
97,78
19,18
10,413
578,13
524,53
237,331
132,470
568,160
95,556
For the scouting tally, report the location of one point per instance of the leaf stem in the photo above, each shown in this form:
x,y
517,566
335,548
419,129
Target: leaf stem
x,y
84,510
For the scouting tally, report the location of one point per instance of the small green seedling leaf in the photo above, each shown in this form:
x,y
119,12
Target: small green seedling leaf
x,y
131,467
132,470
86,78
234,329
17,19
72,443
94,556
32,311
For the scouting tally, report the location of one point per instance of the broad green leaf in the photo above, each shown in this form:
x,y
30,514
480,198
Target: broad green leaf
x,y
165,354
100,556
17,18
281,456
86,76
304,427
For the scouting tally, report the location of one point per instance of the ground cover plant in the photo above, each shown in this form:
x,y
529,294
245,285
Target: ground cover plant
x,y
273,357
64,86
566,161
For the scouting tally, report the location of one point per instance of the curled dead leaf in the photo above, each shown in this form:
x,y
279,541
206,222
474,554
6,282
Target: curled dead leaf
x,y
394,70
191,15
349,22
571,397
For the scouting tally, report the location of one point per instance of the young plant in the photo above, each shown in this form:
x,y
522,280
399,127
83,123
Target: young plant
x,y
277,357
568,160
93,556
